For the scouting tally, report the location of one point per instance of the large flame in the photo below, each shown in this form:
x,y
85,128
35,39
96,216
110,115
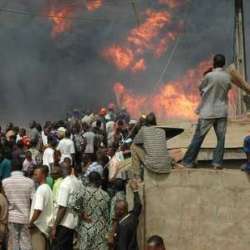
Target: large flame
x,y
147,37
175,99
61,15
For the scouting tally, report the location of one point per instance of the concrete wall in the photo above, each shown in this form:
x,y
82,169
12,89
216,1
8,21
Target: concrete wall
x,y
199,209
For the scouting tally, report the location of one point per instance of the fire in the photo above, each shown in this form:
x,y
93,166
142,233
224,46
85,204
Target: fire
x,y
144,38
122,57
163,45
93,5
175,99
61,15
139,66
60,20
172,3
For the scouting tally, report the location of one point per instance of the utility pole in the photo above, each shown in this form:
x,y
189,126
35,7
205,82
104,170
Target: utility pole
x,y
240,55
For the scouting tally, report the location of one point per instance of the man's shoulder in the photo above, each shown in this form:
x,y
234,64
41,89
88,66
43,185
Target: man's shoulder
x,y
25,181
220,72
6,162
44,188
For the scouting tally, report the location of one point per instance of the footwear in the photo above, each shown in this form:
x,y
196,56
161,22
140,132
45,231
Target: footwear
x,y
187,165
217,167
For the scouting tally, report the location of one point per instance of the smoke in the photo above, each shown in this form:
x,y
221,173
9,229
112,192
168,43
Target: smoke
x,y
43,77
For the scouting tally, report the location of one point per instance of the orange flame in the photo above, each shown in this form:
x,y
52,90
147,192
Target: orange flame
x,y
139,66
175,99
93,5
122,57
60,20
143,38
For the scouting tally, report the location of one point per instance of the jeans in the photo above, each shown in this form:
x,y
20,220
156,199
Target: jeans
x,y
203,127
19,236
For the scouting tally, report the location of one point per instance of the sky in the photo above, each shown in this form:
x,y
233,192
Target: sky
x,y
42,77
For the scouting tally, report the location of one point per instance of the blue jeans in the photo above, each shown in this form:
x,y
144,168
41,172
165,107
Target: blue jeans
x,y
203,127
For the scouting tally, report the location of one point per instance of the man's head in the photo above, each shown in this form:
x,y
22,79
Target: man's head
x,y
121,209
57,156
56,172
32,124
95,179
66,167
16,165
41,173
151,119
155,243
28,155
22,132
219,61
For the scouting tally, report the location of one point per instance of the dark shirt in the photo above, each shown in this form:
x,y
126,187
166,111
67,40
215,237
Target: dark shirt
x,y
126,233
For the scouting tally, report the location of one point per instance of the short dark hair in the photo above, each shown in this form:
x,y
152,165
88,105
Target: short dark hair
x,y
95,178
44,169
67,133
219,61
16,165
151,119
156,240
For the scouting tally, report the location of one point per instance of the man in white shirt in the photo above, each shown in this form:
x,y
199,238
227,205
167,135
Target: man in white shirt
x,y
41,211
66,221
48,154
90,140
66,147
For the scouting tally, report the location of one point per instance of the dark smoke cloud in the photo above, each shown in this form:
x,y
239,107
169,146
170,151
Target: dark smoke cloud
x,y
42,78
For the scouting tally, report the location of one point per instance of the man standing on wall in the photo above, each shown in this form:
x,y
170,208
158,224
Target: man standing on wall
x,y
213,112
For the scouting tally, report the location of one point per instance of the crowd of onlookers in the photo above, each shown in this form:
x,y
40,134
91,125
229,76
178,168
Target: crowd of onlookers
x,y
63,184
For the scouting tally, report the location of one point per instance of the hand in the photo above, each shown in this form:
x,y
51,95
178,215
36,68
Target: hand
x,y
134,185
86,218
31,225
53,232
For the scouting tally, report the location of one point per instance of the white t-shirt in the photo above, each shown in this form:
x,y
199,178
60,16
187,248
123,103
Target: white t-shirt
x,y
44,138
69,186
48,157
90,140
66,147
43,201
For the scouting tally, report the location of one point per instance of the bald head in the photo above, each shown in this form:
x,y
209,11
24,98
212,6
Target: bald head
x,y
121,209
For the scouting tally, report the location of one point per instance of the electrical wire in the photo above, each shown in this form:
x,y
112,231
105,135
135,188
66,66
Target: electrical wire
x,y
33,14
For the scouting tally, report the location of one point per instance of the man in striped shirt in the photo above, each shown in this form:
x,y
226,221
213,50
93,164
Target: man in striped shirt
x,y
149,148
19,191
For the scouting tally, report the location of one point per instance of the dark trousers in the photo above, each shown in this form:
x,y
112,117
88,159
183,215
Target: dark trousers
x,y
203,127
64,239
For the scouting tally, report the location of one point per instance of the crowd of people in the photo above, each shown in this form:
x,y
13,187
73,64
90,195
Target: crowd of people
x,y
63,185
